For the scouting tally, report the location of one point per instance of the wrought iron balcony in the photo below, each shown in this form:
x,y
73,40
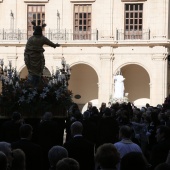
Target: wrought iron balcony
x,y
8,34
52,34
69,35
132,34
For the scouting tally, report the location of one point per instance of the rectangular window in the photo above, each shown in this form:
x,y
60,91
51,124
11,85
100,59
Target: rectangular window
x,y
82,22
35,13
133,21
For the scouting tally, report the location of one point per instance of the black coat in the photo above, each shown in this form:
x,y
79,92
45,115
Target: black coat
x,y
160,152
32,152
108,130
81,150
49,133
10,131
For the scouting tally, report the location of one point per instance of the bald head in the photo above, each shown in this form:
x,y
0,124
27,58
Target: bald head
x,y
76,128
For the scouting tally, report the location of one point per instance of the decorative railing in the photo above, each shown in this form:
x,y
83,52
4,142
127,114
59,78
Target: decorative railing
x,y
133,34
52,34
69,35
7,34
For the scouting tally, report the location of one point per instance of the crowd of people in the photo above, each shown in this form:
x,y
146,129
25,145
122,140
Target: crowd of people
x,y
117,137
113,137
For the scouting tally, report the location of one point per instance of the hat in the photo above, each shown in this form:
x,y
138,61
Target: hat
x,y
37,29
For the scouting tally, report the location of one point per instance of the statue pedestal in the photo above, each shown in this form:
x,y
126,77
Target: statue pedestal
x,y
119,100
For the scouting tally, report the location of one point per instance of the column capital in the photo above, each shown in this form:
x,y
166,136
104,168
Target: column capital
x,y
159,57
106,56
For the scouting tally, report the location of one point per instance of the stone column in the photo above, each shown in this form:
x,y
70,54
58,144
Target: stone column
x,y
158,84
105,79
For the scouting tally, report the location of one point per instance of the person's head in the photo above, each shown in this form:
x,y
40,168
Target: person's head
x,y
89,106
18,162
16,116
125,132
133,161
162,166
147,105
86,115
47,116
103,105
107,112
107,156
95,111
5,147
55,154
162,133
26,131
67,164
76,128
3,161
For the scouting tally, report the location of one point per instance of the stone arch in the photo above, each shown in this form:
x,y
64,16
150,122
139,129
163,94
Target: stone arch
x,y
84,84
89,64
136,63
137,83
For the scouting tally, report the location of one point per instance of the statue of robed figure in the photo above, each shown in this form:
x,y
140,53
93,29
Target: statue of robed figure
x,y
119,86
33,55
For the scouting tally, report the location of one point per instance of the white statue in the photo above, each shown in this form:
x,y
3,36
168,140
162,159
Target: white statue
x,y
119,86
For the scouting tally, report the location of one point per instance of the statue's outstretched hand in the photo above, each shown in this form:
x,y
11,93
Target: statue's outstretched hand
x,y
57,45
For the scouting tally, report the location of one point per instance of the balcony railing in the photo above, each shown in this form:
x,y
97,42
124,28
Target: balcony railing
x,y
133,34
18,34
69,35
52,34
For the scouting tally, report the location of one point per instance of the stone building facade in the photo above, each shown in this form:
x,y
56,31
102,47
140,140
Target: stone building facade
x,y
97,37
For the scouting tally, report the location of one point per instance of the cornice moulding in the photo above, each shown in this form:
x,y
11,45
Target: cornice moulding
x,y
133,0
158,57
80,1
36,1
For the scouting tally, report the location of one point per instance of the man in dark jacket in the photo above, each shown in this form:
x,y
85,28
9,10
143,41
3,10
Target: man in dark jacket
x,y
32,151
160,150
10,128
48,135
79,148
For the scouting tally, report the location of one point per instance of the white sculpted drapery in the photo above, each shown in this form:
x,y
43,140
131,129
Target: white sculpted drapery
x,y
119,86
